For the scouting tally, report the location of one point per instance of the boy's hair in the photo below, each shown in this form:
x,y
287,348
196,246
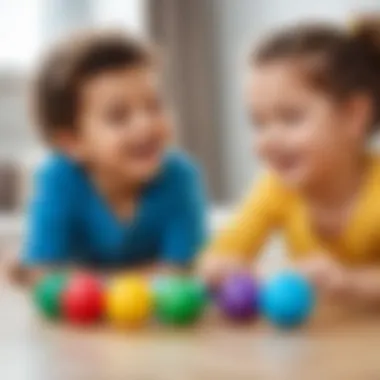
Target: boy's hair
x,y
339,61
74,61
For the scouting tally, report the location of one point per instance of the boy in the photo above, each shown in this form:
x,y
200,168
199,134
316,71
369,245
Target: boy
x,y
111,195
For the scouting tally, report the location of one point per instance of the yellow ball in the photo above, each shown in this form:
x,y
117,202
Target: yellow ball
x,y
129,301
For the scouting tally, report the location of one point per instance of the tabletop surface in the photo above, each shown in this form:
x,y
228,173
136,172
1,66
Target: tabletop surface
x,y
334,345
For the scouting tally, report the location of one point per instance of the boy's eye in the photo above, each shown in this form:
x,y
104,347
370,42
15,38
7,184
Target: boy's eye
x,y
117,114
154,105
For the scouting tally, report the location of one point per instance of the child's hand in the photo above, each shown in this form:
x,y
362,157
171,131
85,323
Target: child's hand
x,y
329,276
213,268
14,272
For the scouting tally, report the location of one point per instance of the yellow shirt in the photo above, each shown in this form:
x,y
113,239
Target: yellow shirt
x,y
272,207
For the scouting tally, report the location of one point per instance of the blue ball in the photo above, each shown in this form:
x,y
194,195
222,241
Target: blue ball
x,y
287,299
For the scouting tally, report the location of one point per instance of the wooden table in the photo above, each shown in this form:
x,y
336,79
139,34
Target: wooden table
x,y
335,345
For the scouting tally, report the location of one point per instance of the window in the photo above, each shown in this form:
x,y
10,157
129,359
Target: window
x,y
129,14
19,32
26,26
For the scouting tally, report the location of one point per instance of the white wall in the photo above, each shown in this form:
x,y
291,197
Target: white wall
x,y
241,22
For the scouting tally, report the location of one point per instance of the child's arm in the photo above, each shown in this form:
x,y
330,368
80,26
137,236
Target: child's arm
x,y
359,286
234,247
185,224
365,285
50,219
20,274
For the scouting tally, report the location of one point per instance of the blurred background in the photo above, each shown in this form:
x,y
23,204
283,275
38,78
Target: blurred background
x,y
204,43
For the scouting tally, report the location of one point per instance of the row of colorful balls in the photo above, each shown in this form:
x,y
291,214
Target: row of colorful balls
x,y
286,299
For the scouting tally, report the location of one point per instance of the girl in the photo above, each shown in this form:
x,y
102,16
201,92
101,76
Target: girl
x,y
314,99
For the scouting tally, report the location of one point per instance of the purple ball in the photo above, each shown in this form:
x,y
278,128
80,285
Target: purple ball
x,y
238,297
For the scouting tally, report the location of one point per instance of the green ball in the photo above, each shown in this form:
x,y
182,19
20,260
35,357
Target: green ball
x,y
47,295
179,300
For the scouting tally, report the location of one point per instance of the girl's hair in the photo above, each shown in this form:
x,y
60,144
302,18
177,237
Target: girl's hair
x,y
339,61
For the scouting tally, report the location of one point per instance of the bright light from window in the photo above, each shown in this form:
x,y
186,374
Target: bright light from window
x,y
19,31
121,13
27,25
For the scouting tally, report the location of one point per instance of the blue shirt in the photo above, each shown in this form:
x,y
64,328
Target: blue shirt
x,y
70,222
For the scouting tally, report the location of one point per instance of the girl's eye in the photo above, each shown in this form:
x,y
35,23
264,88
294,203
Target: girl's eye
x,y
291,116
255,121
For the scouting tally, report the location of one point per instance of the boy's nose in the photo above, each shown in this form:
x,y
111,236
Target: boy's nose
x,y
142,122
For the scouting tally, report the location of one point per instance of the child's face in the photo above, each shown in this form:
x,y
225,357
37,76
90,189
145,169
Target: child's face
x,y
301,133
123,124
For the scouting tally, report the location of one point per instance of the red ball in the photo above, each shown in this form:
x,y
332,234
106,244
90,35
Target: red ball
x,y
83,299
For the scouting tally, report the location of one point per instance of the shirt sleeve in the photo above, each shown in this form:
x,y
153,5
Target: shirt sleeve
x,y
256,218
185,231
50,218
